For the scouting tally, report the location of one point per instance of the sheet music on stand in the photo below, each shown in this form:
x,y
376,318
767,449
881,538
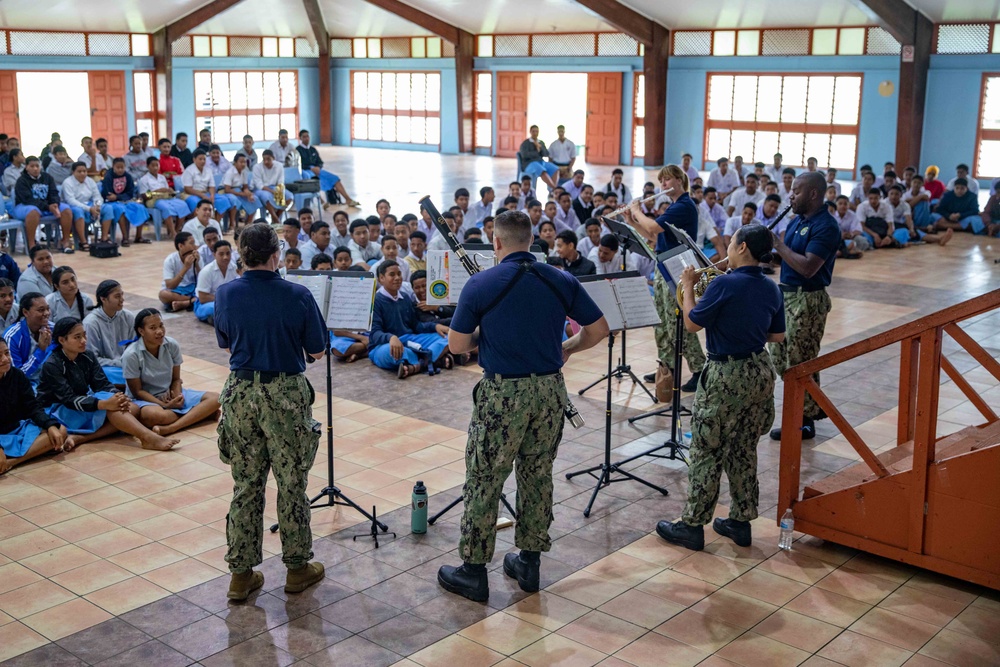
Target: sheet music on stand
x,y
624,298
345,298
637,243
673,262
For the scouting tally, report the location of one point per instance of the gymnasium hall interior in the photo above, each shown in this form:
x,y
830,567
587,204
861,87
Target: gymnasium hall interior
x,y
112,554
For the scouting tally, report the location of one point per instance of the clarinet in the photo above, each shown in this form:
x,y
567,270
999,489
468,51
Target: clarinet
x,y
572,414
781,215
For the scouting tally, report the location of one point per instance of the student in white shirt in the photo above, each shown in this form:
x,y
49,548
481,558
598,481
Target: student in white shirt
x,y
962,171
617,187
785,186
199,183
267,176
84,199
481,208
775,170
197,225
390,251
440,242
562,152
238,187
748,216
565,218
96,164
769,211
217,162
172,210
217,273
284,153
712,208
340,235
362,249
180,274
688,168
875,216
749,194
574,186
319,242
607,256
723,179
855,242
919,200
593,231
248,151
831,179
859,193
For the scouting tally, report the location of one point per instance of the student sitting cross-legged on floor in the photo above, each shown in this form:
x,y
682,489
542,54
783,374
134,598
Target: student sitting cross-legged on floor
x,y
30,337
108,326
152,368
67,300
220,271
74,390
395,326
26,430
180,274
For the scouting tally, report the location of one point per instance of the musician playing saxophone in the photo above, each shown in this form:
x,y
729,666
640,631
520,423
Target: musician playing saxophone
x,y
683,214
734,403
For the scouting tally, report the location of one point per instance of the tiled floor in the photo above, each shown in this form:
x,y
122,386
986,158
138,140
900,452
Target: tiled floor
x,y
113,555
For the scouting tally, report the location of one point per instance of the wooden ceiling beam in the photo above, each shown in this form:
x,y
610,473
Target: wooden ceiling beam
x,y
623,18
442,29
189,22
318,26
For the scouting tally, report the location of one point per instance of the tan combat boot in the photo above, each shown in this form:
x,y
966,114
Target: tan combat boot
x,y
302,578
243,584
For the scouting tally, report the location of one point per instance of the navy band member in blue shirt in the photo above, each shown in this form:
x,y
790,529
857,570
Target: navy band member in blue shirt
x,y
734,404
807,254
267,411
515,314
683,214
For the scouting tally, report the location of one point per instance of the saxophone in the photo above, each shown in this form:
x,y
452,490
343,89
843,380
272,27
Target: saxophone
x,y
279,195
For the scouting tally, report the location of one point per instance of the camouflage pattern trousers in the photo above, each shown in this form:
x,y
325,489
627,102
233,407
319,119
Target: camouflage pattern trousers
x,y
805,322
512,419
264,427
665,333
733,407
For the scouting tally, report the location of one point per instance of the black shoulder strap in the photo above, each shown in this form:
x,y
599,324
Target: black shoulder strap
x,y
523,268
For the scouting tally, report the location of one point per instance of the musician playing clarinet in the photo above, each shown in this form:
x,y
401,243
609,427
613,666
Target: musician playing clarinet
x,y
734,403
807,254
515,314
683,214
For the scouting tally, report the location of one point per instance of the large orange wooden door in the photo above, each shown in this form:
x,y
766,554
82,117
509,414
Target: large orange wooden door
x,y
108,118
8,105
512,112
604,118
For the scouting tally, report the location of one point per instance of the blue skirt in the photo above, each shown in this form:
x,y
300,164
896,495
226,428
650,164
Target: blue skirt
x,y
114,374
341,343
185,290
191,399
77,421
16,443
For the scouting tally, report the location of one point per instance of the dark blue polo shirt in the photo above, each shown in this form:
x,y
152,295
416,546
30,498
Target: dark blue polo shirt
x,y
739,310
524,332
682,214
267,322
818,234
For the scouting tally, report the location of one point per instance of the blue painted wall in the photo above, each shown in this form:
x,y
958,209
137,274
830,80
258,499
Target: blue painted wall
x,y
687,81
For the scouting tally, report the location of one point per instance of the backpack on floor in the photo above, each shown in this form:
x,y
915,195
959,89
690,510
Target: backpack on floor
x,y
104,249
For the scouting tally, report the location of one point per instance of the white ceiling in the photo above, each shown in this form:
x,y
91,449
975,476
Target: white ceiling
x,y
357,18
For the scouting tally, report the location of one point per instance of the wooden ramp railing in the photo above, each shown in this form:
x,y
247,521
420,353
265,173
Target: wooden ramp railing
x,y
937,508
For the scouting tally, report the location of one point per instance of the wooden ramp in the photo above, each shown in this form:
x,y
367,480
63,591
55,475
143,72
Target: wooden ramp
x,y
930,502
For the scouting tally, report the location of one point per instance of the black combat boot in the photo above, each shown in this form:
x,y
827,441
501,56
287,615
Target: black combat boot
x,y
524,568
681,534
468,580
692,384
737,531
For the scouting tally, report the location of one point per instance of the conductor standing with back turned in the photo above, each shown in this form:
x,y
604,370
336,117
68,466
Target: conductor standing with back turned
x,y
515,313
267,412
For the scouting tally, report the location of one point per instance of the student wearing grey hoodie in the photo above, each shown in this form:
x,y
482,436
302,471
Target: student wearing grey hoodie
x,y
108,326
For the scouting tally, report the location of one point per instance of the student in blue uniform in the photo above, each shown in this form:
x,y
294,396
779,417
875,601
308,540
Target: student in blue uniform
x,y
734,404
807,254
151,365
108,326
395,325
30,338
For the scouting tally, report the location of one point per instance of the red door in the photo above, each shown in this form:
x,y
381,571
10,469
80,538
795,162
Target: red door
x,y
512,112
107,110
8,105
604,118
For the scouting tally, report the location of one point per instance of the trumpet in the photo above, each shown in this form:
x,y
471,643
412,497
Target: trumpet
x,y
705,276
621,209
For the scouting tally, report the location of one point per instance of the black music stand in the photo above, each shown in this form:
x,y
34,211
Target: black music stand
x,y
333,496
604,471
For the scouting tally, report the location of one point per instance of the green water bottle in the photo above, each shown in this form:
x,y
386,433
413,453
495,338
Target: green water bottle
x,y
418,509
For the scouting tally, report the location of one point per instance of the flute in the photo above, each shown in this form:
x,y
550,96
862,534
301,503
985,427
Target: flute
x,y
621,209
780,216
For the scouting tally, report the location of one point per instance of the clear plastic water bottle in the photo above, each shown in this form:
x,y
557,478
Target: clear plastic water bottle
x,y
787,528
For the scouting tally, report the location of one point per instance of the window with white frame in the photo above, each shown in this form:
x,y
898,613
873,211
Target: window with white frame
x,y
402,107
988,136
258,103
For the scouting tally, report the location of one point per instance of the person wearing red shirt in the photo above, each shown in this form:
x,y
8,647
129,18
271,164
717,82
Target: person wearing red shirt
x,y
169,165
932,184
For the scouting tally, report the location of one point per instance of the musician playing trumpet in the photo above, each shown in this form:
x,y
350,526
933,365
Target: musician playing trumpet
x,y
734,403
683,214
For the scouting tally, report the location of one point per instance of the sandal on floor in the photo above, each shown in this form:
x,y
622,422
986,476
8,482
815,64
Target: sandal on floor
x,y
125,243
142,240
462,359
85,247
447,362
406,370
67,251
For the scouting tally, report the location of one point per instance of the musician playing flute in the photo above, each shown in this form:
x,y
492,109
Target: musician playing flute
x,y
734,403
808,251
683,214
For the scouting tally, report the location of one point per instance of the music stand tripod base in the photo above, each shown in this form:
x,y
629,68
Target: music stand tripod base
x,y
503,499
373,534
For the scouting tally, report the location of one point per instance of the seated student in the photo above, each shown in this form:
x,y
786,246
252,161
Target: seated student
x,y
342,258
854,241
26,430
204,140
92,159
321,262
749,193
462,200
593,229
576,264
30,337
990,215
471,235
289,239
769,211
785,186
152,368
293,261
119,205
217,162
13,171
931,183
831,180
533,209
509,204
67,300
75,391
198,182
747,217
919,200
617,187
549,211
401,231
514,190
488,230
888,180
390,252
38,276
170,165
319,242
107,325
527,192
363,251
84,199
711,206
440,242
958,209
199,225
547,233
172,210
415,257
312,167
221,270
607,256
135,158
8,307
875,216
903,220
483,207
180,274
374,228
428,312
35,198
565,218
247,150
382,208
583,205
395,325
61,166
962,171
574,184
339,235
237,184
